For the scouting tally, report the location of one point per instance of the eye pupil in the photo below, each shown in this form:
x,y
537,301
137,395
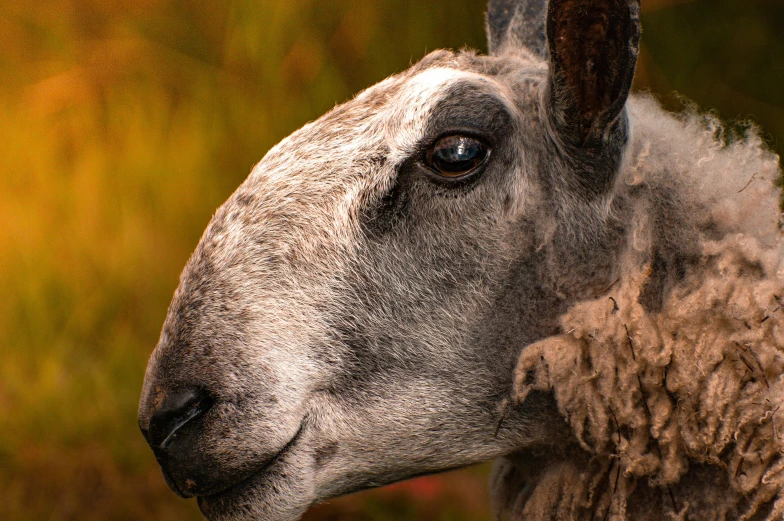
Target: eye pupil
x,y
456,156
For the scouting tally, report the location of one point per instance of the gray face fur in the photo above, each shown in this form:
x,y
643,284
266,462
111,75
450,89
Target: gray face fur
x,y
349,320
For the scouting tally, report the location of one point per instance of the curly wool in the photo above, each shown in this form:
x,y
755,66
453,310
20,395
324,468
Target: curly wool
x,y
646,395
676,412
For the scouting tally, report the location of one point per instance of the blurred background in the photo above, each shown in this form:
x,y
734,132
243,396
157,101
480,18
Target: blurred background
x,y
125,123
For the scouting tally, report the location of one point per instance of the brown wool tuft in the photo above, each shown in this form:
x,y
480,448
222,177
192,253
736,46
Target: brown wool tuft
x,y
649,394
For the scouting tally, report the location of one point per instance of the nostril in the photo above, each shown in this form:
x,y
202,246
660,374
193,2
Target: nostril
x,y
176,411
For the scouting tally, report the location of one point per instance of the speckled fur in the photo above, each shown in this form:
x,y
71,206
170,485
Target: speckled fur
x,y
344,300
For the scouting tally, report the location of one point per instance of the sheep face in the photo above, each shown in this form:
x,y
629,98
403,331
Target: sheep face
x,y
353,313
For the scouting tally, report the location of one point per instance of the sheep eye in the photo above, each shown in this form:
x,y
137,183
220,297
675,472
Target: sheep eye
x,y
456,156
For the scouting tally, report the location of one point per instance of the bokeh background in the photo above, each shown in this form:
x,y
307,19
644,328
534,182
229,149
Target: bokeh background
x,y
125,123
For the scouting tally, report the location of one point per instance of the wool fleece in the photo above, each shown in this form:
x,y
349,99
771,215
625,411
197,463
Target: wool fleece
x,y
675,407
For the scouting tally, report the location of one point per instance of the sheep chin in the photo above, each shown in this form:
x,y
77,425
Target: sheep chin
x,y
281,490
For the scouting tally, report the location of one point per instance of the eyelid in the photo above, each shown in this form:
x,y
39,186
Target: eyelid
x,y
429,141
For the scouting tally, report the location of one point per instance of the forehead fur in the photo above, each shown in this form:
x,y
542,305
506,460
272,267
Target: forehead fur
x,y
329,168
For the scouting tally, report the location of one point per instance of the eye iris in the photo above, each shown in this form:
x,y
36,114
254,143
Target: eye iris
x,y
454,156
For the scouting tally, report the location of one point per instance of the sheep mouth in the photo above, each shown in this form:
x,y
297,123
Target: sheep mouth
x,y
216,503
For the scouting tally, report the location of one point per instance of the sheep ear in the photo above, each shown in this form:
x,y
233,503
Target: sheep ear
x,y
593,48
515,24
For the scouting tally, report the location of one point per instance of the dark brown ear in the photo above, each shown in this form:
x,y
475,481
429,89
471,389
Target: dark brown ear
x,y
593,48
513,24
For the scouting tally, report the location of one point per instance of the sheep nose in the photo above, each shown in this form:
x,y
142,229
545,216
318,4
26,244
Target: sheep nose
x,y
177,410
169,420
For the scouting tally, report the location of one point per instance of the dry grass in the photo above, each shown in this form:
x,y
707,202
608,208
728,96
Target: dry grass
x,y
123,126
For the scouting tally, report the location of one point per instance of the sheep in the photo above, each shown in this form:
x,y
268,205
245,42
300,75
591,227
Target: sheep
x,y
488,257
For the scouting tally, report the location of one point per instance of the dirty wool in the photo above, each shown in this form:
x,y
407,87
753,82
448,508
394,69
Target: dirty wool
x,y
675,411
